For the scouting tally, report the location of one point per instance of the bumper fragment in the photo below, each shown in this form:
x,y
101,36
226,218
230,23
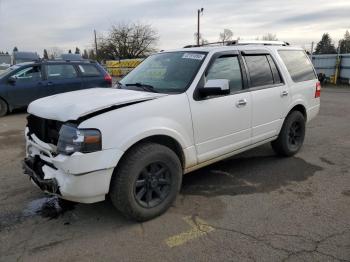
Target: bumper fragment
x,y
34,171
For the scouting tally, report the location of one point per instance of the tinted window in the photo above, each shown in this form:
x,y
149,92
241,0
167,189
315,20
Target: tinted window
x,y
259,70
227,67
89,70
28,74
298,65
275,72
61,72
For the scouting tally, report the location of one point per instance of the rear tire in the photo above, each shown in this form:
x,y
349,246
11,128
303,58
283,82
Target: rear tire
x,y
292,135
3,108
146,182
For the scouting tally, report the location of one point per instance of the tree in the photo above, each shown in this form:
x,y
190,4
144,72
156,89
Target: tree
x,y
15,49
325,46
344,44
226,35
85,54
45,55
91,55
55,52
77,51
130,40
269,37
69,51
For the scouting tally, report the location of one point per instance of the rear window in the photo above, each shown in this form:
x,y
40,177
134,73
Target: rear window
x,y
298,64
89,70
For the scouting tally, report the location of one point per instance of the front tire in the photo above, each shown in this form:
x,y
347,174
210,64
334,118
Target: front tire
x,y
3,108
146,182
292,135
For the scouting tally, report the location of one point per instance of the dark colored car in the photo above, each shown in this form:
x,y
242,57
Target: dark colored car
x,y
26,82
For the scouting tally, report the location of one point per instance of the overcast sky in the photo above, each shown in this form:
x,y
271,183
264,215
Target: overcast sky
x,y
33,25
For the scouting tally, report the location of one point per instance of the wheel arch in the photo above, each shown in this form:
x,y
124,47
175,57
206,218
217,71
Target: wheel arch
x,y
164,140
301,108
9,108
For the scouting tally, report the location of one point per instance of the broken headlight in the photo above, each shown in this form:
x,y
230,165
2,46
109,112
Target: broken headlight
x,y
72,139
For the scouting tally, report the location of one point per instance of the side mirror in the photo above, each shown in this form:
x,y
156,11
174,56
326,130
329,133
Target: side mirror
x,y
215,87
12,79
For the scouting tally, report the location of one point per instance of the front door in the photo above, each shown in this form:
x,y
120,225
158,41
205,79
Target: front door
x,y
25,85
222,124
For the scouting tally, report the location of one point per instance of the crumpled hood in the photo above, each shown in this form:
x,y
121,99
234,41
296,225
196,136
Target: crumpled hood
x,y
73,105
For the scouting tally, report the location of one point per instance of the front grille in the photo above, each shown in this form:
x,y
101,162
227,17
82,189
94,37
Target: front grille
x,y
45,129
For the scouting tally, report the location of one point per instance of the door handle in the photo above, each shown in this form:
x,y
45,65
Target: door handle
x,y
241,102
284,93
49,83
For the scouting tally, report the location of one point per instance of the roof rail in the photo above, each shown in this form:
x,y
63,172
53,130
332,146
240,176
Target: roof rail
x,y
241,42
261,42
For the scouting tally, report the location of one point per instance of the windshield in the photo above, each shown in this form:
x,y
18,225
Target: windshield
x,y
8,70
165,72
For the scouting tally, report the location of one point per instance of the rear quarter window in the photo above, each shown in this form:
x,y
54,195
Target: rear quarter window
x,y
298,65
89,70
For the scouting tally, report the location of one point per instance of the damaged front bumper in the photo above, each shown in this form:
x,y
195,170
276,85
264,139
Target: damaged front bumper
x,y
31,167
80,177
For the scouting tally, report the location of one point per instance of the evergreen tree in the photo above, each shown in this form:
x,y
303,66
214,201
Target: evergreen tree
x,y
70,51
15,49
45,55
325,46
77,51
92,54
85,54
345,43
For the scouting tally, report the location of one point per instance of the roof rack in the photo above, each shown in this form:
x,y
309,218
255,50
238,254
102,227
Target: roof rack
x,y
241,42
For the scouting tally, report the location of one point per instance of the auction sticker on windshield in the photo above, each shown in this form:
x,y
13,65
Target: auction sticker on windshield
x,y
193,56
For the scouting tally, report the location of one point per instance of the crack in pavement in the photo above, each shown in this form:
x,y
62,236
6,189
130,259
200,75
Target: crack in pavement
x,y
290,253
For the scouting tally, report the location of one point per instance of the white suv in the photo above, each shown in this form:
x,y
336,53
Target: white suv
x,y
176,112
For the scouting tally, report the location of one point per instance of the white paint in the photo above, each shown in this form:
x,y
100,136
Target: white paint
x,y
207,130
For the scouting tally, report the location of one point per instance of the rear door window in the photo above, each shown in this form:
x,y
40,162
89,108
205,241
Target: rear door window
x,y
298,65
89,70
227,67
61,72
275,73
259,70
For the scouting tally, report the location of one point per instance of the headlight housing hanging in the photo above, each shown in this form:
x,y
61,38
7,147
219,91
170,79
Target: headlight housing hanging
x,y
72,139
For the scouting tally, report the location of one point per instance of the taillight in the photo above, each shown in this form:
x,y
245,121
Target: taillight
x,y
318,90
108,79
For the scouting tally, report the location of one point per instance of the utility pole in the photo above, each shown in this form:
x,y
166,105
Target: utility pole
x,y
95,43
199,12
312,50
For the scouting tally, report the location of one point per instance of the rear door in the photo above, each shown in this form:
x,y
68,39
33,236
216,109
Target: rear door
x,y
92,76
62,78
270,94
26,87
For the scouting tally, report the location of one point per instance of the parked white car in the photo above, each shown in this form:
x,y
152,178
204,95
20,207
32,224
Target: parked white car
x,y
176,112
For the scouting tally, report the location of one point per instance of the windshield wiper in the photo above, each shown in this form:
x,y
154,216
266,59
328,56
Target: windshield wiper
x,y
145,87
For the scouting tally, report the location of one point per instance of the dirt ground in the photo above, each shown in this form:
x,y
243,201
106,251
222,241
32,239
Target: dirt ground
x,y
252,207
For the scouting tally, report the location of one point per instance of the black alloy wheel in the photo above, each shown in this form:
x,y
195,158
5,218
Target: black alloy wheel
x,y
152,185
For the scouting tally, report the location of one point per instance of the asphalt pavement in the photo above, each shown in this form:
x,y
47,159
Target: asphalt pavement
x,y
252,207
